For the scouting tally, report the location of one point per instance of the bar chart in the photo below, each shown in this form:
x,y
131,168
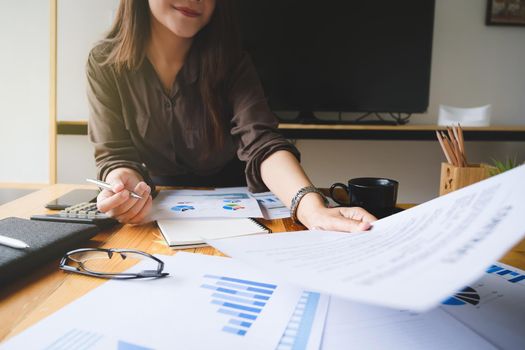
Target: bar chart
x,y
80,339
242,300
512,276
299,327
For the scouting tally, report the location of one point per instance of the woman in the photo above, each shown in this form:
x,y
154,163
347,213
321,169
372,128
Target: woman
x,y
174,101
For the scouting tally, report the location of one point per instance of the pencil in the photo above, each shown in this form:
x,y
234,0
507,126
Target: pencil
x,y
462,142
458,146
448,147
456,136
457,152
443,147
461,145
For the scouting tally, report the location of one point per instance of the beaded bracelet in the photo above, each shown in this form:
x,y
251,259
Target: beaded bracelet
x,y
299,195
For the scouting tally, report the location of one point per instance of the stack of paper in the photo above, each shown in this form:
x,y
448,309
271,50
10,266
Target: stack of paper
x,y
186,217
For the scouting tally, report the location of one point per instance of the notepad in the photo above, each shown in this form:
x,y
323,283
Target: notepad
x,y
46,240
187,233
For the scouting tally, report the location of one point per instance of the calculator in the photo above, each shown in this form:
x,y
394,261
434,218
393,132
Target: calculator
x,y
82,213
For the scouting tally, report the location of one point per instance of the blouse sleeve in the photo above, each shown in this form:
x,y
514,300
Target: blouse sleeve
x,y
254,126
106,127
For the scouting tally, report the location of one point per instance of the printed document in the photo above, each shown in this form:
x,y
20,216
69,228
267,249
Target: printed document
x,y
487,314
493,306
271,206
234,202
373,327
413,260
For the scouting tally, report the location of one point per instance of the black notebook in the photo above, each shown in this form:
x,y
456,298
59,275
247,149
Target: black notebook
x,y
46,240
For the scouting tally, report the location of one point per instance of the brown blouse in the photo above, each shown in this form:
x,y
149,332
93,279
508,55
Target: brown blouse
x,y
134,123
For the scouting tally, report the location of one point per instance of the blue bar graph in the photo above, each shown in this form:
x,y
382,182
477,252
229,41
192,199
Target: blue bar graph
x,y
240,287
508,272
516,277
80,339
75,339
238,300
240,323
236,292
236,306
234,330
236,280
122,345
297,331
237,314
242,299
494,268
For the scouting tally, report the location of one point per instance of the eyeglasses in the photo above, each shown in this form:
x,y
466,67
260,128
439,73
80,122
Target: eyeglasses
x,y
99,262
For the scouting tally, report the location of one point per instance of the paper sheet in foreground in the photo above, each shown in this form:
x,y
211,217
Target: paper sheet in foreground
x,y
414,259
190,309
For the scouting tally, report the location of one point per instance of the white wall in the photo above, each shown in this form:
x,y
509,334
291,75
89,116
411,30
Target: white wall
x,y
24,91
472,64
81,23
75,159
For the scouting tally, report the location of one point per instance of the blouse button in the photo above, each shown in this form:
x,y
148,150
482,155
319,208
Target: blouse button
x,y
167,105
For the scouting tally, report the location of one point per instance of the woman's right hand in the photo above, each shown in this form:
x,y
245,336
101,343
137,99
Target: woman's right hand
x,y
119,204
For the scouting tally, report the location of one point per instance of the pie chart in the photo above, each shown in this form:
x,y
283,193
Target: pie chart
x,y
467,295
233,206
182,208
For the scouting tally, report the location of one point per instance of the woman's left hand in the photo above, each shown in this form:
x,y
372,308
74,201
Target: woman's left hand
x,y
317,217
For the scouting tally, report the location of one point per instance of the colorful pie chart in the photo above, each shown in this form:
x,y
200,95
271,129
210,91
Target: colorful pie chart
x,y
467,295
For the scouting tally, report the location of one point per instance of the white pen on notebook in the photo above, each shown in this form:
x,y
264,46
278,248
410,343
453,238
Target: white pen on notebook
x,y
13,243
107,186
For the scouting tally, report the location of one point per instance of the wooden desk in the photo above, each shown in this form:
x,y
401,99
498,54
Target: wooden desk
x,y
33,297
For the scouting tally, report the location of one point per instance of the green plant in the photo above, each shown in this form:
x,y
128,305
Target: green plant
x,y
500,167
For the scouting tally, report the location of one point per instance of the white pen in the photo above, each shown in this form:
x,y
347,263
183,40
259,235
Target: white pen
x,y
107,186
13,243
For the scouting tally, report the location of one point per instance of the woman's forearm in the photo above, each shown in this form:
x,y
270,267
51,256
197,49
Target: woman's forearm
x,y
284,176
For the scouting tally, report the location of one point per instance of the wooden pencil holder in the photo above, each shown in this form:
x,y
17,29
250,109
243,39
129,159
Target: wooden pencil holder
x,y
453,177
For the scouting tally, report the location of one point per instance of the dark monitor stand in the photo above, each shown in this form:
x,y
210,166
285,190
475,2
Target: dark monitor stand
x,y
308,117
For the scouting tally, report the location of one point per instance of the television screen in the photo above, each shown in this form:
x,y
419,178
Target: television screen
x,y
344,56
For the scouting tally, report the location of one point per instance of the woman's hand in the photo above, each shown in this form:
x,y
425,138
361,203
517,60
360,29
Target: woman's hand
x,y
312,213
119,204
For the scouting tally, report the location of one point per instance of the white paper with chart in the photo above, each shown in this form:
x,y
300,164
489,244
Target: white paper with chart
x,y
374,327
486,314
234,202
271,206
493,306
206,302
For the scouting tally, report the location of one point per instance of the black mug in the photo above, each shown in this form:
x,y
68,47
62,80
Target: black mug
x,y
376,195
